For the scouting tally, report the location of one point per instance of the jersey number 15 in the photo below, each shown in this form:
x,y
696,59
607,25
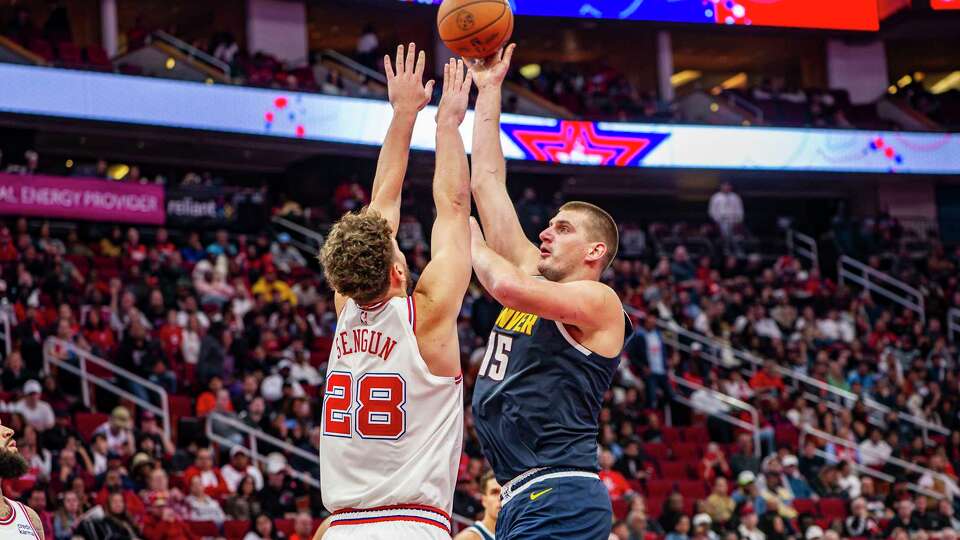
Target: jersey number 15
x,y
379,403
495,360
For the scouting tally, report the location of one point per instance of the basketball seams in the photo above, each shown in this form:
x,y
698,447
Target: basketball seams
x,y
478,30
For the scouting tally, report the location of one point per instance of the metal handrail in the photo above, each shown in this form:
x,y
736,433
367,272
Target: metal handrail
x,y
868,278
254,435
306,231
753,426
354,65
743,103
7,319
163,411
806,429
192,51
953,323
803,245
837,398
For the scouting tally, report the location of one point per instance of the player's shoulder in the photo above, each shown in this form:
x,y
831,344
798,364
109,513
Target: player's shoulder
x,y
468,534
35,520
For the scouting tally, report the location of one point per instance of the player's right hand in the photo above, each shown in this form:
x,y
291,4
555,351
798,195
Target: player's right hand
x,y
456,94
405,87
490,72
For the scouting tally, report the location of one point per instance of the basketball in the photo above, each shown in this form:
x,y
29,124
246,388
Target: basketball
x,y
475,28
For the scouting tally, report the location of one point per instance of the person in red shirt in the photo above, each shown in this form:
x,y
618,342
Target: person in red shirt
x,y
8,251
163,243
98,333
767,379
162,523
213,483
303,528
171,335
616,484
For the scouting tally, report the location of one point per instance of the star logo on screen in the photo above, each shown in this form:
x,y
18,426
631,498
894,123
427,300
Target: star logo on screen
x,y
583,143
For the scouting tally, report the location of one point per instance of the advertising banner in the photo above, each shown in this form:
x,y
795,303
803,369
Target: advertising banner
x,y
203,206
87,199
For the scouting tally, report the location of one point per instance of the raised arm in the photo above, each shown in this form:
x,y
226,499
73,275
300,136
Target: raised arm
x,y
589,306
489,179
444,281
408,96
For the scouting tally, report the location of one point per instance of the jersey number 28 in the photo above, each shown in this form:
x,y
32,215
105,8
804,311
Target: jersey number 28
x,y
379,403
498,354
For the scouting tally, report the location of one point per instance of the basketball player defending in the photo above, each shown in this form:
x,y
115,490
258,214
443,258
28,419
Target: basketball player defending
x,y
393,399
553,350
16,519
486,527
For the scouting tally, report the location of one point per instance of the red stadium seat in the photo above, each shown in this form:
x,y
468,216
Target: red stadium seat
x,y
660,488
786,436
671,435
675,470
692,489
88,422
284,525
69,54
686,451
620,508
655,506
180,406
97,57
833,508
805,506
204,528
696,434
658,451
41,48
235,529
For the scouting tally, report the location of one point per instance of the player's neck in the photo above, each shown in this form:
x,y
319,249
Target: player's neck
x,y
5,508
490,523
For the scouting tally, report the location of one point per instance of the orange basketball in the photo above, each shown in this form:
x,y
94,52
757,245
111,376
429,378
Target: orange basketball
x,y
475,28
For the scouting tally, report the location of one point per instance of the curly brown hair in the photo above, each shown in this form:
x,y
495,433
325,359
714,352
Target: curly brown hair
x,y
357,255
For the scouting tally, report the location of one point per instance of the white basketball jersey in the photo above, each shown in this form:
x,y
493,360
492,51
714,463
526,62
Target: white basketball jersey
x,y
392,431
17,524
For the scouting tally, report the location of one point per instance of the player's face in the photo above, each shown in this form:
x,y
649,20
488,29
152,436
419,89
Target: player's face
x,y
7,441
12,464
563,245
491,498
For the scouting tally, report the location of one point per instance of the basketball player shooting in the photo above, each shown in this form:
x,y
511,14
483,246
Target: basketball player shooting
x,y
553,350
393,398
16,519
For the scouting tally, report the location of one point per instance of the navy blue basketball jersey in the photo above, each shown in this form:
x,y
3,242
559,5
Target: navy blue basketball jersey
x,y
538,396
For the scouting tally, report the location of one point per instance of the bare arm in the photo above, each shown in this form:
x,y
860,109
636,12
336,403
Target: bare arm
x,y
408,96
35,521
489,179
467,534
444,281
586,305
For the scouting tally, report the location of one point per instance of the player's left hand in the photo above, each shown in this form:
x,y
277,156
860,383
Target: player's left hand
x,y
456,93
476,233
405,87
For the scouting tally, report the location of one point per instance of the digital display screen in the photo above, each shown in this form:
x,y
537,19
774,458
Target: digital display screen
x,y
824,14
945,4
108,97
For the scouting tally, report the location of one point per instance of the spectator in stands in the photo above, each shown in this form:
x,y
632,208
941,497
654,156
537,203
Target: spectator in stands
x,y
748,529
162,523
202,506
726,210
635,464
680,530
281,491
15,374
744,458
719,505
271,289
286,256
240,468
767,379
67,517
110,520
748,492
849,480
245,504
617,486
905,518
367,46
209,474
798,485
672,511
118,431
36,412
714,463
303,528
647,357
262,528
859,524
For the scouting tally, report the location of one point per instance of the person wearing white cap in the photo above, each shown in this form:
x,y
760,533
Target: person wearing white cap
x,y
37,413
701,527
795,481
814,532
239,467
285,255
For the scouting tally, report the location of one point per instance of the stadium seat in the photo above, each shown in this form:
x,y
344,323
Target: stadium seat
x,y
284,525
671,435
805,506
97,57
833,508
204,528
235,529
675,470
686,451
660,488
620,508
696,434
180,406
654,506
69,54
658,451
692,489
87,423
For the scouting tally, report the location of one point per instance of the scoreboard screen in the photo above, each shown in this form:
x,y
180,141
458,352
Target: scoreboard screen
x,y
824,14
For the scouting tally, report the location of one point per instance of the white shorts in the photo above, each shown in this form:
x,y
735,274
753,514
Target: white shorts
x,y
388,530
396,522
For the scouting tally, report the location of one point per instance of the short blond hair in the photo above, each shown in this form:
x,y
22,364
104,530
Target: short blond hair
x,y
600,227
357,256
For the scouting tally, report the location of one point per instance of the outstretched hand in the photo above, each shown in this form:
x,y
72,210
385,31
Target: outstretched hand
x,y
456,93
476,233
490,72
405,87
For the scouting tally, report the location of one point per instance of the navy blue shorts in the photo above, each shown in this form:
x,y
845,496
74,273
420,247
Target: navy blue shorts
x,y
553,505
